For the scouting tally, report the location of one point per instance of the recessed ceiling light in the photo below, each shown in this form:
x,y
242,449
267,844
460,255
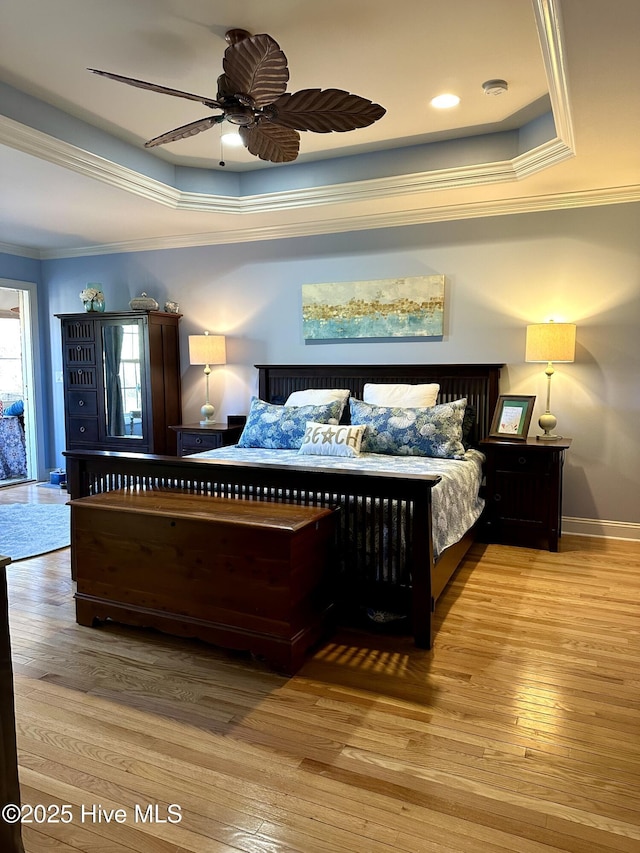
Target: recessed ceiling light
x,y
445,102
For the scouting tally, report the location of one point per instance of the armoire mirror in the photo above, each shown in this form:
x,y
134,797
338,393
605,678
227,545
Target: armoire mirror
x,y
123,358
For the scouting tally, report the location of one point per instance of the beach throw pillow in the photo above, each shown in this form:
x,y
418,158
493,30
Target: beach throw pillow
x,y
330,440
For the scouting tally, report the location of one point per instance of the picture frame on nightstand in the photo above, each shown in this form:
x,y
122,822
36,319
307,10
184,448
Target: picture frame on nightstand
x,y
512,417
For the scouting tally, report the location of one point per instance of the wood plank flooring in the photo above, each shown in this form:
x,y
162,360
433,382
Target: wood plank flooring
x,y
518,733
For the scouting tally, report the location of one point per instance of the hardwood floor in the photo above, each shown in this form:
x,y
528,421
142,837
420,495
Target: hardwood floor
x,y
518,733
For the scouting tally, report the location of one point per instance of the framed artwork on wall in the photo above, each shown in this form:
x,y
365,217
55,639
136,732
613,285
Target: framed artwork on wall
x,y
387,308
512,417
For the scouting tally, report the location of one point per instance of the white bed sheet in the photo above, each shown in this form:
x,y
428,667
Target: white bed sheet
x,y
456,503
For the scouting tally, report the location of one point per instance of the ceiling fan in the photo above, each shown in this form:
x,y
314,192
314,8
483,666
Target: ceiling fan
x,y
252,94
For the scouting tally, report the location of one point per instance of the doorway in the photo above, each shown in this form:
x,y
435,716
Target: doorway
x,y
18,443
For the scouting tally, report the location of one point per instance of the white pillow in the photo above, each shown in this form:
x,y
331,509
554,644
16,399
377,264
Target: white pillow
x,y
330,440
317,397
405,396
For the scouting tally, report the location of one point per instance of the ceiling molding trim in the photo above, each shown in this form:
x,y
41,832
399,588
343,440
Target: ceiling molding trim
x,y
371,189
64,154
61,153
38,144
547,13
549,23
543,157
506,207
21,251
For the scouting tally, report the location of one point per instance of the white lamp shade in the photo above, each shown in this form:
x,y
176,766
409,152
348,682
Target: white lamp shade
x,y
551,342
207,349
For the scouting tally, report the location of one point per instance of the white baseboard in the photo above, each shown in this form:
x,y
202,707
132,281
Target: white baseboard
x,y
597,527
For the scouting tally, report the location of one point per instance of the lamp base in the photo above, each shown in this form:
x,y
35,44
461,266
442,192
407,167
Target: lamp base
x,y
207,412
547,423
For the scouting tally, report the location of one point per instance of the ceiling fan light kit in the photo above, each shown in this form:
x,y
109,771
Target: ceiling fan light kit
x,y
252,96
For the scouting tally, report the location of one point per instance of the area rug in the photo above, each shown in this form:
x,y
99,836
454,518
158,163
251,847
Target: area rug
x,y
27,530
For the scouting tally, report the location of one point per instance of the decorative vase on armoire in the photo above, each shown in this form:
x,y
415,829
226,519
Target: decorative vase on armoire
x,y
93,298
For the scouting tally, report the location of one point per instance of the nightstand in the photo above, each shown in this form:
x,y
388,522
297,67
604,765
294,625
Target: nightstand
x,y
524,491
194,438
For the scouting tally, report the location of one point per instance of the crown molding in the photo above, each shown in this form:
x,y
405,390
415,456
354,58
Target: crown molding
x,y
549,23
373,189
336,225
544,156
547,14
21,251
38,144
541,158
61,153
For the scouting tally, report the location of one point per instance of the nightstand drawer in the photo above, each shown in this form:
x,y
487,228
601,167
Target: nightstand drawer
x,y
524,462
196,438
197,443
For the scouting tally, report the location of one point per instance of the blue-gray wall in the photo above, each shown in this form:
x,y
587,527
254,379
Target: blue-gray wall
x,y
578,265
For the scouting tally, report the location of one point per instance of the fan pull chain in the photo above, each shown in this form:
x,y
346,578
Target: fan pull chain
x,y
221,162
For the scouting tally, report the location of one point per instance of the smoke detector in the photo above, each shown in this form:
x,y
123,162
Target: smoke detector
x,y
495,87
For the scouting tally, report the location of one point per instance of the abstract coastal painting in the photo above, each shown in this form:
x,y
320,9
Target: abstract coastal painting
x,y
387,308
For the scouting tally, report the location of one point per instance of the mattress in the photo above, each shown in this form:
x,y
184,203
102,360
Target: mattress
x,y
456,502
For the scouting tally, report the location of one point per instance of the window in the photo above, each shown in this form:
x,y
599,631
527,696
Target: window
x,y
130,380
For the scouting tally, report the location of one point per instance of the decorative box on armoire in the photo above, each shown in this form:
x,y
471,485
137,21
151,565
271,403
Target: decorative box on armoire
x,y
121,374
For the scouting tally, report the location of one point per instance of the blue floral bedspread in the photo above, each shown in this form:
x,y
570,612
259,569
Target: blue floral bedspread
x,y
13,457
456,504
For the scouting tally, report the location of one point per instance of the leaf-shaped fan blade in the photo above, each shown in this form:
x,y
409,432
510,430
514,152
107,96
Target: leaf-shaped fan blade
x,y
270,142
256,67
153,87
325,110
226,88
185,131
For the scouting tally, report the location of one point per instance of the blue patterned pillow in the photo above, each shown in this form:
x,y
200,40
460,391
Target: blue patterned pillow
x,y
283,427
434,431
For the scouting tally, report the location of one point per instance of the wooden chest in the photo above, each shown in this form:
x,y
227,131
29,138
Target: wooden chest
x,y
243,574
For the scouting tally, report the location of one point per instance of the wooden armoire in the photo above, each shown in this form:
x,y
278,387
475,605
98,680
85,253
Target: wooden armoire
x,y
121,374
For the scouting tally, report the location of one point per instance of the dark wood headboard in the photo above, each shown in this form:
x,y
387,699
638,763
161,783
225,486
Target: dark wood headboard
x,y
477,382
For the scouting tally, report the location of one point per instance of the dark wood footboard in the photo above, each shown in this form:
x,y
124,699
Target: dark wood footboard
x,y
378,511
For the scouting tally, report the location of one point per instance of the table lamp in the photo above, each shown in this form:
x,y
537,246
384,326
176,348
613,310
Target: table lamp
x,y
207,349
550,342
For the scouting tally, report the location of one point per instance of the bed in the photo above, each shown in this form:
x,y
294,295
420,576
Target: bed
x,y
386,554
